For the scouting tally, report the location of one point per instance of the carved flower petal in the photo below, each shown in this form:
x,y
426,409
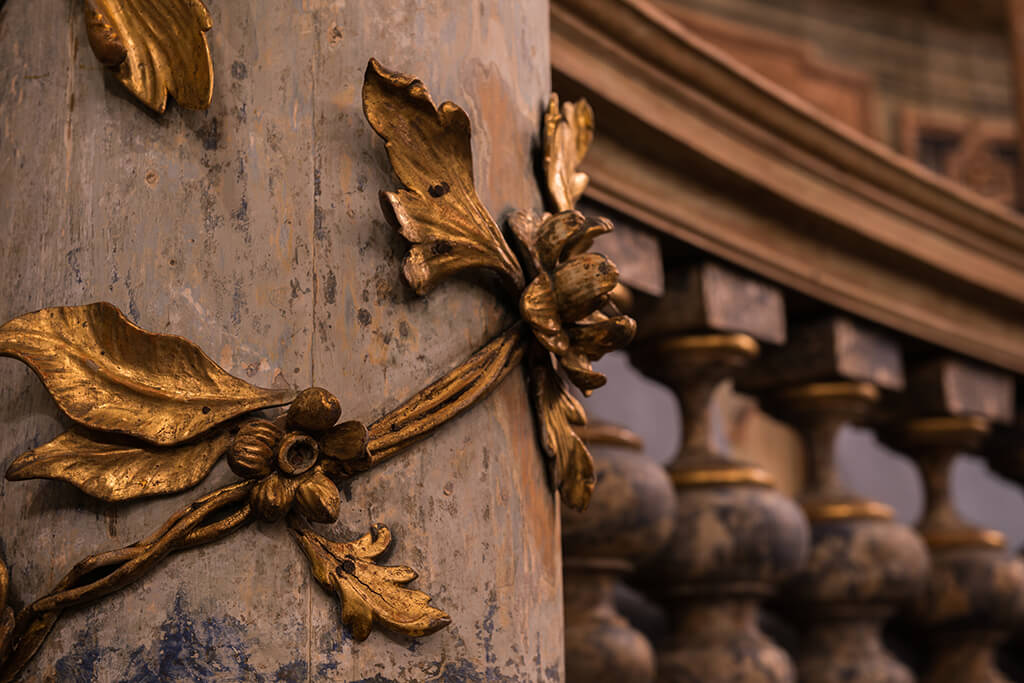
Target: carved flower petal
x,y
273,496
525,226
431,153
557,411
580,372
582,284
555,235
317,498
539,308
342,448
598,338
584,240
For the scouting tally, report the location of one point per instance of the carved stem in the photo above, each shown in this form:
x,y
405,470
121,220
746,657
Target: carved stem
x,y
185,529
448,397
414,420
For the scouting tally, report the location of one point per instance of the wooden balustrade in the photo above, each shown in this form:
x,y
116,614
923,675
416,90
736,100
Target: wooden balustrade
x,y
629,519
863,565
736,537
975,594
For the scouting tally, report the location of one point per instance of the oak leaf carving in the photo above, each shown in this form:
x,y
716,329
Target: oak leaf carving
x,y
6,613
439,211
108,374
155,48
567,134
368,592
558,412
115,469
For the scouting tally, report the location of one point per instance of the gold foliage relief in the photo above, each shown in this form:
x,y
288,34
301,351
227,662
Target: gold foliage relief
x,y
152,414
568,132
368,592
108,374
563,291
155,48
439,211
116,469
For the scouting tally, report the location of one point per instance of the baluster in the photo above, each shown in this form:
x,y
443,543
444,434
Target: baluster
x,y
1004,451
629,519
975,593
863,565
736,537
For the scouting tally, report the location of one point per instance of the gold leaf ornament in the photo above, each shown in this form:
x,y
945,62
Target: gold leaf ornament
x,y
155,48
439,210
369,593
563,291
558,413
6,613
108,374
567,135
115,469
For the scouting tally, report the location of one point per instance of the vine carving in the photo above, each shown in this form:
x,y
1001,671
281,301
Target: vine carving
x,y
152,414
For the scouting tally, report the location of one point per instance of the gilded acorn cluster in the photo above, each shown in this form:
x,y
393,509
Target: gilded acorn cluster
x,y
297,458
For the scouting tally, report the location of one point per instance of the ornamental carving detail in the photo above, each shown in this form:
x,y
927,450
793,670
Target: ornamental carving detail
x,y
152,414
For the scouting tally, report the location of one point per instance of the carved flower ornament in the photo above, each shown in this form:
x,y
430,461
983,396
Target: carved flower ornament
x,y
151,414
298,466
561,290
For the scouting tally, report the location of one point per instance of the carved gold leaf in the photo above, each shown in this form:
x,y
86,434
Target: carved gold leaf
x,y
369,593
557,412
108,374
155,47
567,135
439,212
115,470
6,613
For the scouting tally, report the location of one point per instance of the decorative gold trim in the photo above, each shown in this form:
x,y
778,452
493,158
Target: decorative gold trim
x,y
736,342
814,391
953,431
861,509
743,474
967,537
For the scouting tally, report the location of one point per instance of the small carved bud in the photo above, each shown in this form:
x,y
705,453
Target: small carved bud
x,y
273,496
103,38
318,499
314,410
254,449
